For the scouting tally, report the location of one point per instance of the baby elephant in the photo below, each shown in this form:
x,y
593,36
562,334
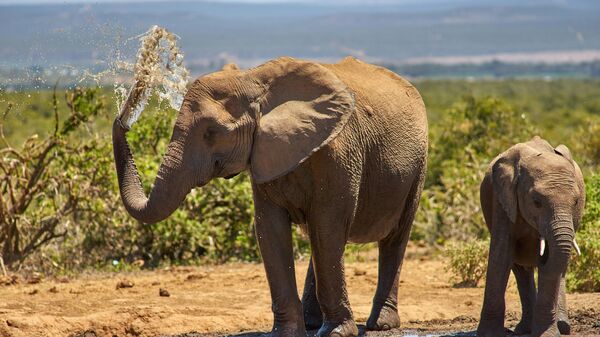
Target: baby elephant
x,y
532,198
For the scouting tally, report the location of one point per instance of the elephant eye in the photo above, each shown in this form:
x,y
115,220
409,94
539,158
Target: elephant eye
x,y
537,203
209,135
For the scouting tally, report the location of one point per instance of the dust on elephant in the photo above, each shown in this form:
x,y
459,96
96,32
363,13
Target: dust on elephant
x,y
338,148
532,198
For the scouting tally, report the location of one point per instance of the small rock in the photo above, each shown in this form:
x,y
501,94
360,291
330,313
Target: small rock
x,y
155,283
33,292
16,324
9,280
53,290
34,278
125,284
163,292
87,333
63,279
194,277
138,263
360,272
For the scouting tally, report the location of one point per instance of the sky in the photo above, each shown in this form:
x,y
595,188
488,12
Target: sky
x,y
13,2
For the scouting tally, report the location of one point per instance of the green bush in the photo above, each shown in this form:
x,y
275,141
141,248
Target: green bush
x,y
474,130
467,261
452,209
75,218
588,145
584,271
45,186
470,135
214,223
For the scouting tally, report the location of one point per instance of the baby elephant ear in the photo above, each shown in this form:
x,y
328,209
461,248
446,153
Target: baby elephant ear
x,y
306,106
504,180
563,150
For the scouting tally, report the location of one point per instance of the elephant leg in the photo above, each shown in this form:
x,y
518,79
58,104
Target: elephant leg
x,y
273,230
384,313
328,243
564,325
500,261
527,293
313,317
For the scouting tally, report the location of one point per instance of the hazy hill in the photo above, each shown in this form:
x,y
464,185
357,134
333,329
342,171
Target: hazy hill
x,y
84,34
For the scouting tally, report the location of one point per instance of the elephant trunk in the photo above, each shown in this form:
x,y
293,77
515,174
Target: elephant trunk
x,y
171,186
560,236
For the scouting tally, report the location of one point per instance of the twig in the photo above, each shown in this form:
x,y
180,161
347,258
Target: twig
x,y
8,108
3,267
55,106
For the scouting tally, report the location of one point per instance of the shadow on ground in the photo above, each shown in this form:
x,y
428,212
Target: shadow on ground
x,y
361,329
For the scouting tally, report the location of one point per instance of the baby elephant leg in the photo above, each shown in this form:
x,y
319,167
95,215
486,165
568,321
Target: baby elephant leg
x,y
527,293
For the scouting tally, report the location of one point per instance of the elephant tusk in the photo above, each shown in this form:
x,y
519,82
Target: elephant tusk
x,y
542,246
576,247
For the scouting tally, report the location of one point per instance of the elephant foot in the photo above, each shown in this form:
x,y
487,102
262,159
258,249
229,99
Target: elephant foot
x,y
523,328
493,328
313,318
287,332
564,327
347,328
551,331
387,318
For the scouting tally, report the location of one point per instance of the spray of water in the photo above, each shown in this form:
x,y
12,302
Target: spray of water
x,y
159,67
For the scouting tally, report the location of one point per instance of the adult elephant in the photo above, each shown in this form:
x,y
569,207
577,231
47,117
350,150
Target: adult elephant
x,y
338,148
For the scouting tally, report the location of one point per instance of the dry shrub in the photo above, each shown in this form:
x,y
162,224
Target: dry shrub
x,y
467,261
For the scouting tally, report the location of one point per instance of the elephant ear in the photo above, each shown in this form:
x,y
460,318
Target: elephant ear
x,y
504,180
305,106
564,151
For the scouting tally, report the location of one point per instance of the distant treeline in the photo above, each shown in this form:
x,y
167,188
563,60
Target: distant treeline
x,y
36,77
498,69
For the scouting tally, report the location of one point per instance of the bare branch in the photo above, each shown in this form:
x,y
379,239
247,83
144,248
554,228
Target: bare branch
x,y
55,106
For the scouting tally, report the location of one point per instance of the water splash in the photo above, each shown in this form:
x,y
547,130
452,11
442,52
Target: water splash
x,y
159,67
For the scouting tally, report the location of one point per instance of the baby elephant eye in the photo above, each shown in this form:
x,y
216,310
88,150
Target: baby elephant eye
x,y
537,203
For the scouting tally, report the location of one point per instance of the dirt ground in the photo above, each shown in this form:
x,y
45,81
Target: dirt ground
x,y
234,299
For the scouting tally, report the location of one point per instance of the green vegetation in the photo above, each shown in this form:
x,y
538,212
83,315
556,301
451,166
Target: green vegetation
x,y
499,69
468,261
470,123
584,274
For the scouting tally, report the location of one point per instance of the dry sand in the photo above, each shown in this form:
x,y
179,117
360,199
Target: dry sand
x,y
234,298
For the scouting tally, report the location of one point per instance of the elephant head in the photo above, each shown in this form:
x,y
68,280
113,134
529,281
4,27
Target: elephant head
x,y
268,119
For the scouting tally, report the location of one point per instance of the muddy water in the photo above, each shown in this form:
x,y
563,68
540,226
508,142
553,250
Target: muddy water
x,y
158,68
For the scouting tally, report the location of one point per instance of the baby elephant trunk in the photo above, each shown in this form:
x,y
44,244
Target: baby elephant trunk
x,y
560,235
560,242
